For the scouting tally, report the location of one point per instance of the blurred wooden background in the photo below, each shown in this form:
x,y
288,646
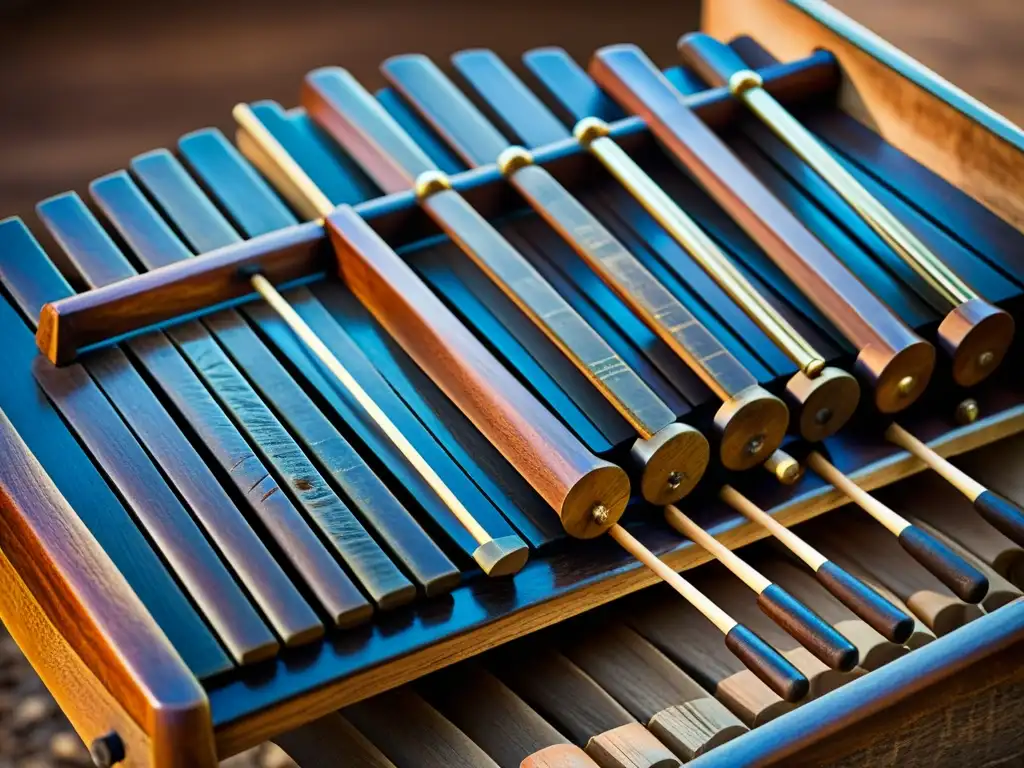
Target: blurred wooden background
x,y
85,86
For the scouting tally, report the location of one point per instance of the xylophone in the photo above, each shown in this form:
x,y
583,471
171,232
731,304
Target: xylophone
x,y
394,380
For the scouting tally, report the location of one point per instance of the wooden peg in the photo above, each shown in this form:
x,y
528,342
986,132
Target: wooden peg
x,y
966,581
819,637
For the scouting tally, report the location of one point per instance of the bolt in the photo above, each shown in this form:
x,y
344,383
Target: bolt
x,y
906,385
599,514
675,479
967,411
107,751
985,359
755,445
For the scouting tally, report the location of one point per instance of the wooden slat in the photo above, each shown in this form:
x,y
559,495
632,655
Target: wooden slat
x,y
411,732
30,277
326,740
570,699
98,258
81,591
322,309
684,716
154,244
489,713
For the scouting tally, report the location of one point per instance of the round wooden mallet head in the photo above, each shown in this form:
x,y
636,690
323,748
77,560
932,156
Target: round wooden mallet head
x,y
595,501
752,425
822,405
670,462
898,378
976,335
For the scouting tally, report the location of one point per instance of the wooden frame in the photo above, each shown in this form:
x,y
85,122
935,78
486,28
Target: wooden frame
x,y
111,668
916,110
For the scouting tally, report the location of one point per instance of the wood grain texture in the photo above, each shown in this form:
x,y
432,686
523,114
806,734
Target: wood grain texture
x,y
328,740
916,110
489,713
80,590
154,243
411,732
569,478
676,709
100,262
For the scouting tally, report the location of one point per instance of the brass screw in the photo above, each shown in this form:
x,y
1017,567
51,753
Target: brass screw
x,y
906,385
755,445
985,359
675,479
967,411
599,514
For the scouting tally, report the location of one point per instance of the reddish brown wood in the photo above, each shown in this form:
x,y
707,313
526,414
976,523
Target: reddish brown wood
x,y
888,350
82,592
570,478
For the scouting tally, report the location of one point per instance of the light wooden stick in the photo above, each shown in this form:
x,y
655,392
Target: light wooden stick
x,y
956,477
334,365
894,522
737,565
496,557
690,593
795,544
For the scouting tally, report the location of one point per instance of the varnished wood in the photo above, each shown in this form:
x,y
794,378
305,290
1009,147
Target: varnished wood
x,y
303,251
100,261
853,544
79,589
889,351
248,715
574,482
916,110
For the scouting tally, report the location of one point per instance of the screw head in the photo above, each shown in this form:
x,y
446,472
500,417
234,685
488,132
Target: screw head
x,y
107,751
599,514
967,411
675,479
755,445
985,359
906,385
823,416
